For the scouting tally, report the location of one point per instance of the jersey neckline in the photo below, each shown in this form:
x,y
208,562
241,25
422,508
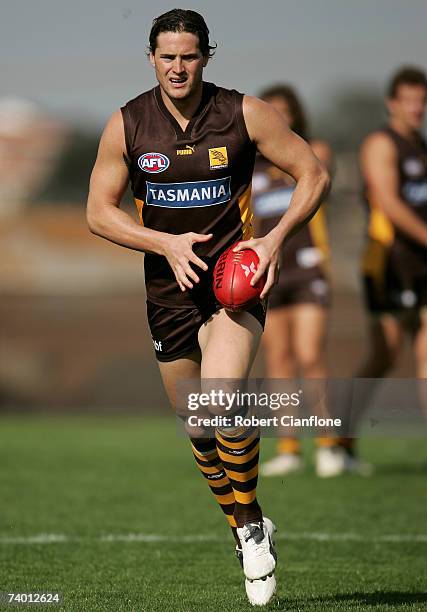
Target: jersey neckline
x,y
181,134
416,144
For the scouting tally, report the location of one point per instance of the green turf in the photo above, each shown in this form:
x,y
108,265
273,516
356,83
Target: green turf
x,y
85,478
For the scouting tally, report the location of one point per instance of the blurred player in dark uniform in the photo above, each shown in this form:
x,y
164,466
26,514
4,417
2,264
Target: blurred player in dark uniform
x,y
295,331
394,169
188,148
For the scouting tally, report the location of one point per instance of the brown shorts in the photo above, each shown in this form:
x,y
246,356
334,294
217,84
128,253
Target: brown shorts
x,y
394,281
303,291
175,330
388,296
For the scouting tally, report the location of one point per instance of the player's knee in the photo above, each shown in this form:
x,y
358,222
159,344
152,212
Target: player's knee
x,y
223,408
220,397
309,359
279,356
196,430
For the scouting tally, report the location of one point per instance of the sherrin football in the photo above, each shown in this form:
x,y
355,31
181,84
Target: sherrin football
x,y
232,277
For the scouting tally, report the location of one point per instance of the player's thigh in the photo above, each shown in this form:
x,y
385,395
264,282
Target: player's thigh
x,y
277,333
172,371
309,323
229,342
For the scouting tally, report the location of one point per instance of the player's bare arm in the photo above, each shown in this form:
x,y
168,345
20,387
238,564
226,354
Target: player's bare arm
x,y
277,143
379,164
108,183
323,152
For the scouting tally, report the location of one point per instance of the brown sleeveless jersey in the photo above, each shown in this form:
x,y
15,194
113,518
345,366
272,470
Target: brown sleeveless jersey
x,y
405,253
197,180
303,256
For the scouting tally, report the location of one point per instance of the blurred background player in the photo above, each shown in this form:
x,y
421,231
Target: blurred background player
x,y
295,332
394,169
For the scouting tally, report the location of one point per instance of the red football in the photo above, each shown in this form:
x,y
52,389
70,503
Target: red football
x,y
232,276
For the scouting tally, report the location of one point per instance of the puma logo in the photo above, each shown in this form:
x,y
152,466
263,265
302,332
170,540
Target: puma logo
x,y
189,150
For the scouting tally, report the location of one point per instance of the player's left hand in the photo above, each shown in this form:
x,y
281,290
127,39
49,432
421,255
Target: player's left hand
x,y
267,250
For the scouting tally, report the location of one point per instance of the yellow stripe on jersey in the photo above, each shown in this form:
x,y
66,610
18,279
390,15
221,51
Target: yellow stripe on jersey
x,y
374,260
246,214
319,235
139,205
381,236
380,228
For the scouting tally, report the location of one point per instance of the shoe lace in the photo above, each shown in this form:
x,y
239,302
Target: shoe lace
x,y
255,538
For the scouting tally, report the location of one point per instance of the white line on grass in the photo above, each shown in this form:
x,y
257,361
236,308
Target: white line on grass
x,y
54,538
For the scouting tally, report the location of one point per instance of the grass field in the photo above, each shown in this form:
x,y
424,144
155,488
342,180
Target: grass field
x,y
113,514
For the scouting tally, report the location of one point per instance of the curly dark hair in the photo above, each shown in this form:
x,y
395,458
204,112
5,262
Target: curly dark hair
x,y
407,75
181,20
289,95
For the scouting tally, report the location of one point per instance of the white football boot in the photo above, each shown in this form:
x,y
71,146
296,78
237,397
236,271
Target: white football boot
x,y
260,591
259,556
282,464
330,461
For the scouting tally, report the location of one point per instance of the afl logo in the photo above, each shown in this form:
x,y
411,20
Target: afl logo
x,y
153,162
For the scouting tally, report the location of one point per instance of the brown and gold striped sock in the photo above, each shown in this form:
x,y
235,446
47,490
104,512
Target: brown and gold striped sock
x,y
290,446
327,442
348,444
209,463
239,454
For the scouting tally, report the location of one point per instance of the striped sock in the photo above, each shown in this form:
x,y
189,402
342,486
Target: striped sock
x,y
209,463
239,454
290,446
327,442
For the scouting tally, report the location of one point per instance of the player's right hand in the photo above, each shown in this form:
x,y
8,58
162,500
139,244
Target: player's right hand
x,y
178,250
267,250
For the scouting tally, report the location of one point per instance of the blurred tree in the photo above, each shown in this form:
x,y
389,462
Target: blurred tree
x,y
70,182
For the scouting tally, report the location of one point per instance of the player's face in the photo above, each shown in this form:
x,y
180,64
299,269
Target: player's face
x,y
409,105
282,106
178,63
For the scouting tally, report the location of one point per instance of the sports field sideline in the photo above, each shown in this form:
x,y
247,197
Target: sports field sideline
x,y
112,514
